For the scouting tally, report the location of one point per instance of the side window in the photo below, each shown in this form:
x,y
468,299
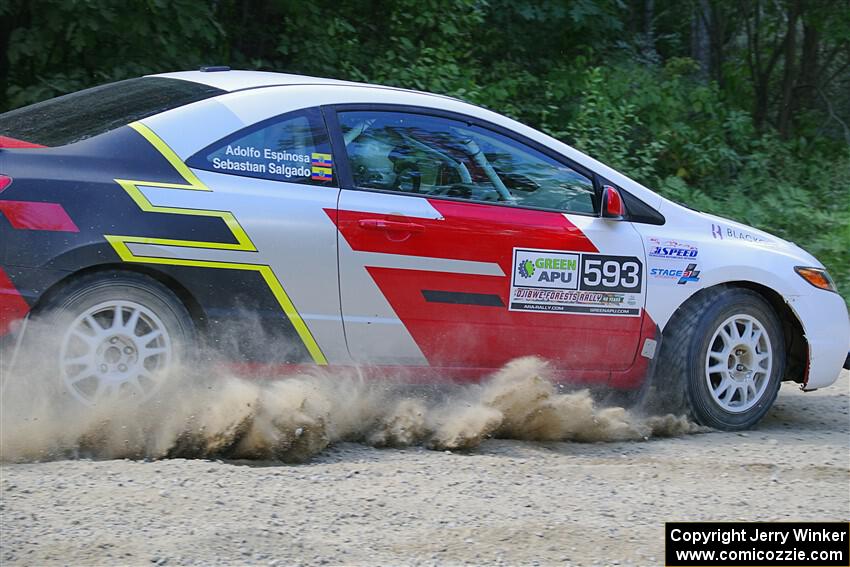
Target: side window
x,y
428,155
292,148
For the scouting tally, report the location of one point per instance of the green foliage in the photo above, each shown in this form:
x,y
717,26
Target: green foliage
x,y
610,129
65,45
678,136
585,71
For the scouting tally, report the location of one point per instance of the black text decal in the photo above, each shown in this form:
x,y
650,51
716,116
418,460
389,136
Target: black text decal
x,y
611,273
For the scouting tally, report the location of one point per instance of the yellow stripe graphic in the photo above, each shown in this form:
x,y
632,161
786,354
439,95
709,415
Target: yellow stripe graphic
x,y
243,242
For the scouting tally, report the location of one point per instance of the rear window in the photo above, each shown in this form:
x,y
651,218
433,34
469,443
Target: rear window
x,y
84,114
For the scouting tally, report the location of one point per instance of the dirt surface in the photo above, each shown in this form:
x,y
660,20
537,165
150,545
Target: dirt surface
x,y
505,502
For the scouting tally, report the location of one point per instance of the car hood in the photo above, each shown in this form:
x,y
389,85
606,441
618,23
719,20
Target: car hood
x,y
753,236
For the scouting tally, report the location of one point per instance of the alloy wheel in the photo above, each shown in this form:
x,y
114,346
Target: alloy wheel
x,y
738,363
115,350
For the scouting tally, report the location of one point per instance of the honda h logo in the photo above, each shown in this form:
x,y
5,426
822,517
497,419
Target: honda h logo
x,y
716,231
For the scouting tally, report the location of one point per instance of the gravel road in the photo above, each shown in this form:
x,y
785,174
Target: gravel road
x,y
505,502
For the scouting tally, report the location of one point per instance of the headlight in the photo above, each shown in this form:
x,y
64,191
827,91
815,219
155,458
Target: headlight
x,y
818,277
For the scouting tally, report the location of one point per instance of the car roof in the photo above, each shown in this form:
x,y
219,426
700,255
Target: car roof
x,y
228,80
232,80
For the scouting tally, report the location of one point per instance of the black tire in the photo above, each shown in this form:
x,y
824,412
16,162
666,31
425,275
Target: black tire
x,y
681,381
89,291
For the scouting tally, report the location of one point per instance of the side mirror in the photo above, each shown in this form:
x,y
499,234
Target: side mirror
x,y
613,207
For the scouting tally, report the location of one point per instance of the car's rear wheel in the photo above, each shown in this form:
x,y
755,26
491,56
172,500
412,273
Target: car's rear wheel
x,y
120,336
722,358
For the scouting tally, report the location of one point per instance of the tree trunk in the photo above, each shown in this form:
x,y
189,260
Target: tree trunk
x,y
649,26
806,90
760,72
700,40
719,36
789,75
761,102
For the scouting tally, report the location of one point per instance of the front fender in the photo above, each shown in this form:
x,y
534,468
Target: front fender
x,y
664,298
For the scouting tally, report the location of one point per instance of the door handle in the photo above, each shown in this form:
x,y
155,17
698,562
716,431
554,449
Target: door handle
x,y
380,224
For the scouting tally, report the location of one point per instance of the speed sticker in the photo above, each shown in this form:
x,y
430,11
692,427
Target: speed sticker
x,y
569,282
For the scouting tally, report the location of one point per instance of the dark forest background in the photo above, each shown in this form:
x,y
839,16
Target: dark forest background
x,y
736,107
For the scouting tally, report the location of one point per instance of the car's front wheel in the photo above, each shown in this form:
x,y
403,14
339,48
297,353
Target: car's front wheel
x,y
119,335
722,358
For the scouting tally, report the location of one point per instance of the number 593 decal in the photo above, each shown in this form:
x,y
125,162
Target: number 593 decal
x,y
558,281
610,273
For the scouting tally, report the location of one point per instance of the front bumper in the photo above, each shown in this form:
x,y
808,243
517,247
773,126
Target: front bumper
x,y
826,325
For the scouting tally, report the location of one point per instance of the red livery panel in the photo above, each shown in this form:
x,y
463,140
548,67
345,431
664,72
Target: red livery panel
x,y
7,142
28,215
491,233
489,336
12,305
463,319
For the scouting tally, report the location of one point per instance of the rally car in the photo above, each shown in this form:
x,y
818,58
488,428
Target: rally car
x,y
289,220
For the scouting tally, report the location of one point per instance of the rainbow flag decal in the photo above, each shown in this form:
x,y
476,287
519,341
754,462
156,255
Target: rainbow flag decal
x,y
322,167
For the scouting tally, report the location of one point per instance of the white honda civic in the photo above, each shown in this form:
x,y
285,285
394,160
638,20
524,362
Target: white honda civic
x,y
352,224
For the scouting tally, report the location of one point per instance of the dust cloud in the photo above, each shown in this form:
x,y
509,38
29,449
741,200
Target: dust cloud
x,y
210,413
